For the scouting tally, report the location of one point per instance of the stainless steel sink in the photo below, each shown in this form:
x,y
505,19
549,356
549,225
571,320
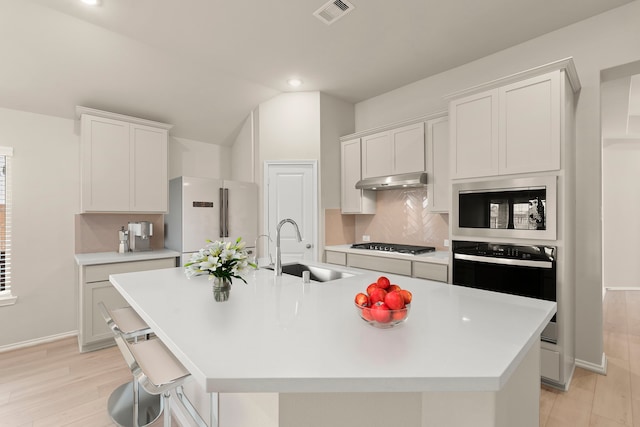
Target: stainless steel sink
x,y
318,274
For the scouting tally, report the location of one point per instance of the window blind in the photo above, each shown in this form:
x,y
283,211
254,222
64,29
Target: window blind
x,y
6,296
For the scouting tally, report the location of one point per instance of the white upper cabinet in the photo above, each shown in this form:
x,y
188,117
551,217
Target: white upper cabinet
x,y
474,135
529,137
124,163
510,129
437,160
392,152
353,200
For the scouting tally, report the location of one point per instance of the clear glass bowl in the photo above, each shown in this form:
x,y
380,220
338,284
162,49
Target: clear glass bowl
x,y
383,319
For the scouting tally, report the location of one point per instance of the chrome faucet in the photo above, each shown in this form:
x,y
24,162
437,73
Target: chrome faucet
x,y
255,245
278,267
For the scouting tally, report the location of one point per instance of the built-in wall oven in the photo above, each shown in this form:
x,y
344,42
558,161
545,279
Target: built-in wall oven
x,y
525,270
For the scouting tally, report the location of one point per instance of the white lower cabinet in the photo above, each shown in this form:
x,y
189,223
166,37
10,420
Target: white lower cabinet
x,y
550,364
95,287
429,271
420,270
338,258
385,265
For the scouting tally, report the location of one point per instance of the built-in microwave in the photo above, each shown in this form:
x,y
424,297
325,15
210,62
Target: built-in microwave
x,y
511,208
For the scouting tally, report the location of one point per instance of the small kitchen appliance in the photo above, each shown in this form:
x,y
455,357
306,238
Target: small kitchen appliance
x,y
140,236
123,236
392,247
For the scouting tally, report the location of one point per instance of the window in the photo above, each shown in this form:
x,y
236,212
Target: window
x,y
6,298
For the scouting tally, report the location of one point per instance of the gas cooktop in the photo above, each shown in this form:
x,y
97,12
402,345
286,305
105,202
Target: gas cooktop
x,y
392,247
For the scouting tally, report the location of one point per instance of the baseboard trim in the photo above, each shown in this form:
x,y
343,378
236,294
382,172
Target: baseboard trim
x,y
622,288
599,369
37,341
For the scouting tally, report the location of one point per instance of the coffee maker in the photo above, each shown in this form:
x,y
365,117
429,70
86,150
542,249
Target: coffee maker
x,y
140,236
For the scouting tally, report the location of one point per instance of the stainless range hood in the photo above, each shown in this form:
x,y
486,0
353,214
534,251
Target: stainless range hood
x,y
407,180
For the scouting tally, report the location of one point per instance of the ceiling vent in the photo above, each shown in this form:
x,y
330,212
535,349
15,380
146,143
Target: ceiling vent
x,y
333,10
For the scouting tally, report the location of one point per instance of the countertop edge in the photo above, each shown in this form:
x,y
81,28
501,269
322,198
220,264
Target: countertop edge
x,y
97,258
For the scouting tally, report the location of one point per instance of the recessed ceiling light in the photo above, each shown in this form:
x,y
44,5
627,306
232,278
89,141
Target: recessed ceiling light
x,y
294,82
91,2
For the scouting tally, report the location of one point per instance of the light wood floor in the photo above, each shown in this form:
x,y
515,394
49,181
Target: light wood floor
x,y
598,400
53,385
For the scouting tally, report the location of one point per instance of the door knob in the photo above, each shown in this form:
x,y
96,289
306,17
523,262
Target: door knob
x,y
308,246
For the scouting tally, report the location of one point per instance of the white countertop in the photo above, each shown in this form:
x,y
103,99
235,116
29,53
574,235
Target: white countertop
x,y
436,257
112,257
278,335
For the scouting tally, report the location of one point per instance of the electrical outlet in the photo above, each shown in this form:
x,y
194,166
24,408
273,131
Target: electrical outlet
x,y
366,238
446,243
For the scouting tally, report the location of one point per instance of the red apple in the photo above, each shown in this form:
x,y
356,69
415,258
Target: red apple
x,y
366,313
380,313
371,287
362,300
394,300
407,296
394,288
398,314
383,282
377,295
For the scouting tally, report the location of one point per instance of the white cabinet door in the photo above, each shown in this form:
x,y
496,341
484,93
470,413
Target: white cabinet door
x,y
530,125
352,199
148,186
393,152
474,135
408,148
437,159
124,166
105,164
377,155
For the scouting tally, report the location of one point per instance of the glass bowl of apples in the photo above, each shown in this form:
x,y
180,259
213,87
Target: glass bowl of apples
x,y
381,316
384,305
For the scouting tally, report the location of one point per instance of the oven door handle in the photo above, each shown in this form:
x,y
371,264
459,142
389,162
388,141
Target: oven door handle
x,y
504,261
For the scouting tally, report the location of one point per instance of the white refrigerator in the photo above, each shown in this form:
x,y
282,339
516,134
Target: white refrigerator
x,y
213,209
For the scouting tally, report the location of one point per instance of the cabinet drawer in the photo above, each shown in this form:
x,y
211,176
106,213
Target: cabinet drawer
x,y
339,258
425,270
550,364
96,273
387,265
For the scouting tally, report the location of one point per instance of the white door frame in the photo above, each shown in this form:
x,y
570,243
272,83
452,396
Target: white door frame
x,y
314,198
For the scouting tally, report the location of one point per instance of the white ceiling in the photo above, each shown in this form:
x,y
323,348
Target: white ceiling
x,y
203,65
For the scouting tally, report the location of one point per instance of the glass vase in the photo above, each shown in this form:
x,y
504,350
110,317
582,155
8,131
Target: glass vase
x,y
221,288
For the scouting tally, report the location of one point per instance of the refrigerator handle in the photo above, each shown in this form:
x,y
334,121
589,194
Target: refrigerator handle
x,y
226,212
222,212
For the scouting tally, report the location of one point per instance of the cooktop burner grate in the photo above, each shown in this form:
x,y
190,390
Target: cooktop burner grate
x,y
392,247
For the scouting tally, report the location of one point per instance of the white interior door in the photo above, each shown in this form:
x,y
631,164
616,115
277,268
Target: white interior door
x,y
291,192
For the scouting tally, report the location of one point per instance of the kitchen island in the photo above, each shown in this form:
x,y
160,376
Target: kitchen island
x,y
464,356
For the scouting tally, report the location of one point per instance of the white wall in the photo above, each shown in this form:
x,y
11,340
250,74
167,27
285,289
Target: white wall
x,y
46,195
243,153
288,129
604,41
336,120
620,174
194,158
621,212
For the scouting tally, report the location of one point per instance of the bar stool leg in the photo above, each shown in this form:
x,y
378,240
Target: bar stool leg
x,y
136,402
166,396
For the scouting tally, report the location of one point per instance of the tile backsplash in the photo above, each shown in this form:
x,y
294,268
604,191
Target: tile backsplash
x,y
401,217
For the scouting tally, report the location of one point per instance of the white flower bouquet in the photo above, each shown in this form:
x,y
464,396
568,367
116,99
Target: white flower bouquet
x,y
225,260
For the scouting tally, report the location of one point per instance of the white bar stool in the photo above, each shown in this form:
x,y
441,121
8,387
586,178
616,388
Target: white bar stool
x,y
155,368
129,406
